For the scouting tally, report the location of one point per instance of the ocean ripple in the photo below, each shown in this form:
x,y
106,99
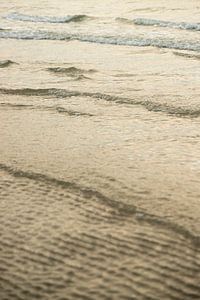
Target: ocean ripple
x,y
45,19
126,40
6,63
159,23
148,104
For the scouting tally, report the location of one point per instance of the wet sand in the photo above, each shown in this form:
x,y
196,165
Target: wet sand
x,y
85,212
63,241
99,151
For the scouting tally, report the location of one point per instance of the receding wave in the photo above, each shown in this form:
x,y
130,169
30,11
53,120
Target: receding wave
x,y
124,20
150,105
34,35
46,19
40,92
187,55
58,109
4,29
6,63
159,23
70,71
125,40
63,110
80,77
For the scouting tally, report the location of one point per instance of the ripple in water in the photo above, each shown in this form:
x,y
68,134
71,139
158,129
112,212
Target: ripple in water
x,y
148,104
46,19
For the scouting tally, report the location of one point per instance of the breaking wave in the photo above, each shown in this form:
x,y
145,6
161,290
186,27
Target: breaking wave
x,y
160,42
46,19
159,23
149,104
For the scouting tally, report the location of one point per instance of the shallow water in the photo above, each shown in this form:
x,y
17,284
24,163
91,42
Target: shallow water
x,y
99,152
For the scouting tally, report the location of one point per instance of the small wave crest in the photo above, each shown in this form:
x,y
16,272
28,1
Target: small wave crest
x,y
71,72
74,113
137,41
160,23
46,19
150,105
34,35
6,63
57,109
187,55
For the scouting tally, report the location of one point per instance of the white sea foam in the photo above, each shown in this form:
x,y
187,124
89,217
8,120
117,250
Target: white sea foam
x,y
159,23
127,40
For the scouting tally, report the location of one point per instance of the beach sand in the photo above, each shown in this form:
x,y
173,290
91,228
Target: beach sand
x,y
99,152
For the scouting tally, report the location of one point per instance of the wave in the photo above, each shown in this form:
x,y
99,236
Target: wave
x,y
6,63
80,77
159,23
5,29
187,55
160,42
124,20
63,110
70,71
60,93
58,109
110,40
34,35
120,208
147,104
46,19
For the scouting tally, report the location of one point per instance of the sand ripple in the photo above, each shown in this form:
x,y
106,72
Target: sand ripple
x,y
61,241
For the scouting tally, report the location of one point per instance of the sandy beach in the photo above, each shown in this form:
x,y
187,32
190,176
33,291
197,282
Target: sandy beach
x,y
99,150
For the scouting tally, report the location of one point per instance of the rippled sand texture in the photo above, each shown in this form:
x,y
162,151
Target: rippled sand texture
x,y
99,150
74,243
